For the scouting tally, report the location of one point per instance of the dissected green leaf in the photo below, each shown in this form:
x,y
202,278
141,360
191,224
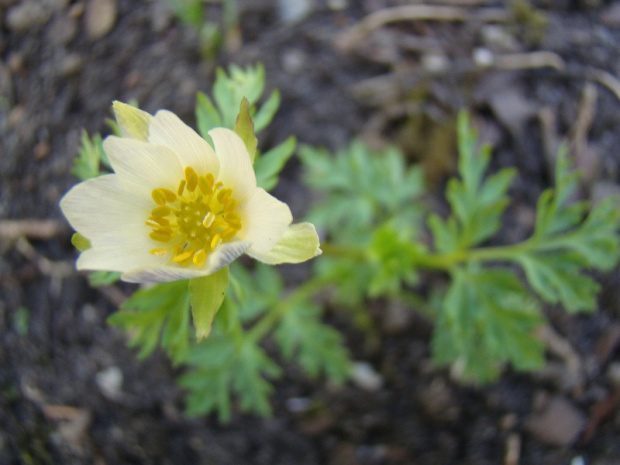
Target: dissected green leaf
x,y
315,346
159,314
267,111
88,163
362,189
559,277
477,203
487,318
395,256
221,369
269,164
206,296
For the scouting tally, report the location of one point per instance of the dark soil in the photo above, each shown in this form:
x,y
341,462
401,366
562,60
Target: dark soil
x,y
56,348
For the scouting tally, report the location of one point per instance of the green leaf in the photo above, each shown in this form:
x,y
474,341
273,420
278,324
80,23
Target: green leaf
x,y
487,318
103,278
206,295
269,164
264,116
477,203
558,277
394,255
207,117
244,127
159,314
316,347
87,165
362,189
220,369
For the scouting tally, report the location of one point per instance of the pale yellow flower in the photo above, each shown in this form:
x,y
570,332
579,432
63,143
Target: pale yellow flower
x,y
176,208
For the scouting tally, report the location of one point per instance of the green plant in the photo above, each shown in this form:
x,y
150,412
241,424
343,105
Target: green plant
x,y
381,241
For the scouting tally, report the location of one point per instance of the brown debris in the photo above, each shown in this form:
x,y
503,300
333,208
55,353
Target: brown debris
x,y
599,413
349,39
558,423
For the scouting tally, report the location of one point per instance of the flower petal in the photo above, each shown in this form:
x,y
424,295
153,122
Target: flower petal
x,y
218,259
263,221
132,122
119,257
141,166
236,170
299,243
101,210
192,150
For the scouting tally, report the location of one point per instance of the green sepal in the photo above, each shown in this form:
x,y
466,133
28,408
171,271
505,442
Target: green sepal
x,y
206,296
132,121
244,127
80,242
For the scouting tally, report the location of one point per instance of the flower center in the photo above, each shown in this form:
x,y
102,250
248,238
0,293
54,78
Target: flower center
x,y
195,220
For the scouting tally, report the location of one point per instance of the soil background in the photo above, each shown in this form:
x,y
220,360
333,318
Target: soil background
x,y
71,392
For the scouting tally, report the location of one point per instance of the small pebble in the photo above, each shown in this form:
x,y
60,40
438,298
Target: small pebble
x,y
365,377
294,11
110,381
558,424
26,16
100,17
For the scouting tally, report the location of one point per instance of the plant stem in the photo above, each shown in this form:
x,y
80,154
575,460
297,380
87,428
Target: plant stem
x,y
273,316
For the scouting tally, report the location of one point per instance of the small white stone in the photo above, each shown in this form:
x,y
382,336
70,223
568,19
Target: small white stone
x,y
365,377
293,11
435,62
483,57
578,461
110,381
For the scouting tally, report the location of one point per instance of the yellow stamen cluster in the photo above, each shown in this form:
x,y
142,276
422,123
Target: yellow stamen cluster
x,y
195,220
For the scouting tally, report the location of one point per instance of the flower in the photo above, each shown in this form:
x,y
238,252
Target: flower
x,y
175,208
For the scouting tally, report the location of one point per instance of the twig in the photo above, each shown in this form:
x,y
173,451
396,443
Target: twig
x,y
533,60
31,228
513,449
350,38
587,109
605,79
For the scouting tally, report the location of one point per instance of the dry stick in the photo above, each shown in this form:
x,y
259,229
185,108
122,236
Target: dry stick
x,y
587,110
532,60
349,39
33,229
605,79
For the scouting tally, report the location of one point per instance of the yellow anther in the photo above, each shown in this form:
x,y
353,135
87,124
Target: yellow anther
x,y
192,178
217,239
161,235
170,196
229,233
224,195
208,220
195,220
183,256
206,186
159,197
161,211
232,217
155,222
200,257
158,252
230,205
